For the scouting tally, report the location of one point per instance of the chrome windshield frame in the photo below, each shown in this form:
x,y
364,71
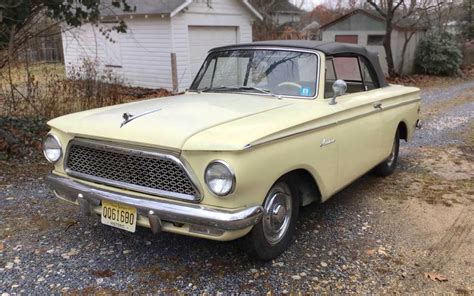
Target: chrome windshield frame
x,y
269,48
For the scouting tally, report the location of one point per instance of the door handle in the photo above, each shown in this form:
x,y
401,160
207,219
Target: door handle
x,y
378,106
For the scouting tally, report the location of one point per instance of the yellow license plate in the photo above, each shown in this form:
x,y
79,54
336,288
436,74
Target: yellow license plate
x,y
119,215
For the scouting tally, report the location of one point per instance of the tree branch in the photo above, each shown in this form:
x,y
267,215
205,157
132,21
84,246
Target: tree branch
x,y
379,10
397,5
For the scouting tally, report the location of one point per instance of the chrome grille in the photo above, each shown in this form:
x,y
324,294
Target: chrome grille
x,y
138,170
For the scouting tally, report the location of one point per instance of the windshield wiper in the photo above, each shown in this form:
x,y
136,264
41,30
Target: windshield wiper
x,y
223,88
262,90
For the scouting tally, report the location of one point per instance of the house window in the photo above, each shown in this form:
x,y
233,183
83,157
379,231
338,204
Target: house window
x,y
375,39
347,38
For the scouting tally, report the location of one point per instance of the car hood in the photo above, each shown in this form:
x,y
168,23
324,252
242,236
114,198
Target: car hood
x,y
165,122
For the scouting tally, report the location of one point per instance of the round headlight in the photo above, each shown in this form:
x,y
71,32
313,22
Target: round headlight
x,y
220,178
52,148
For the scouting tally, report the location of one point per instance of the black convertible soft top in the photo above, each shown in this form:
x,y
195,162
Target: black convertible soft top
x,y
328,48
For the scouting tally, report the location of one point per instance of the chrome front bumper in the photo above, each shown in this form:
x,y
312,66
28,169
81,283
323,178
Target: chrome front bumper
x,y
156,210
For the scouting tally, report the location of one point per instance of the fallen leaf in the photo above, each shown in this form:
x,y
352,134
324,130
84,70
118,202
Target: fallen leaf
x,y
103,273
381,251
436,277
70,224
370,252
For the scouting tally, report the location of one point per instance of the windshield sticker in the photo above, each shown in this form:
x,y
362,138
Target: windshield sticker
x,y
305,91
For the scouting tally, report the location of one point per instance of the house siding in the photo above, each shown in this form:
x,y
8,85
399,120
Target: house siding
x,y
228,13
363,26
397,48
357,22
145,50
81,43
330,36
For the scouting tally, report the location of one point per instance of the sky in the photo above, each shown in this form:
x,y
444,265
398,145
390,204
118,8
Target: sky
x,y
310,4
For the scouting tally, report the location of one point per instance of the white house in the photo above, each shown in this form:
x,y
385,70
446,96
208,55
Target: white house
x,y
367,28
283,12
166,40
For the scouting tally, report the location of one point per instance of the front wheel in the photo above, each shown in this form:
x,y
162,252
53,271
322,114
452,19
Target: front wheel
x,y
274,233
387,167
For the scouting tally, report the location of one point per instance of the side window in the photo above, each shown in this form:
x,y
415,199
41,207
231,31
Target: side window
x,y
353,70
367,75
347,69
330,78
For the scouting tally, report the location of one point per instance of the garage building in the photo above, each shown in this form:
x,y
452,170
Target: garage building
x,y
166,40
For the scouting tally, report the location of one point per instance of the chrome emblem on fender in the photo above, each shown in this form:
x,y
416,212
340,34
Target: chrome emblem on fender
x,y
326,142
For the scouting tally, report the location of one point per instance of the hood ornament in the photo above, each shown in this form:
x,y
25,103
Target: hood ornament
x,y
127,117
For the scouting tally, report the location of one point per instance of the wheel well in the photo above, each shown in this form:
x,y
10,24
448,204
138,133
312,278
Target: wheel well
x,y
403,132
303,184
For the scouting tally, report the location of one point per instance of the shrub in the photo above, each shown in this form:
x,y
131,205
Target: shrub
x,y
43,91
438,54
32,94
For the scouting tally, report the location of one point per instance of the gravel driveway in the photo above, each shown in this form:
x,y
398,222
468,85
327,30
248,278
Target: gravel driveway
x,y
350,244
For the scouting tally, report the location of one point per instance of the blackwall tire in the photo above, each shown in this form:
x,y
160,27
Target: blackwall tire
x,y
387,167
275,231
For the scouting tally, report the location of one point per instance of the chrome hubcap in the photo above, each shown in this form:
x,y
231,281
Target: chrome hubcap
x,y
277,214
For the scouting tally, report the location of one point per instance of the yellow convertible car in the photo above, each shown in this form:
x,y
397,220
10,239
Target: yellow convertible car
x,y
264,129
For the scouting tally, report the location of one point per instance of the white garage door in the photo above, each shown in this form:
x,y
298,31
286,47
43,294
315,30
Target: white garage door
x,y
202,39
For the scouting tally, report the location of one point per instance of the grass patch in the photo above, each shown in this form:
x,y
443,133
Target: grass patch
x,y
43,91
469,135
31,95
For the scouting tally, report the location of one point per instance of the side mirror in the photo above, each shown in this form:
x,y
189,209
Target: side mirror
x,y
339,88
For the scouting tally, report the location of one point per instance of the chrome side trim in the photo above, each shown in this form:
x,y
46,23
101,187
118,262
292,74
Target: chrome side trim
x,y
256,143
166,210
360,116
382,109
385,108
127,149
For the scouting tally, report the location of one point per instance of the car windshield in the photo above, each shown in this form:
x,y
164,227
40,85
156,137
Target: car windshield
x,y
270,72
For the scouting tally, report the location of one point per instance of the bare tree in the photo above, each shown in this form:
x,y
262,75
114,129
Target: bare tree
x,y
421,17
409,13
387,11
21,20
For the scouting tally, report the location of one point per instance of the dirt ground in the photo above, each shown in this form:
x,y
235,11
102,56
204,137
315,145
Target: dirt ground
x,y
431,201
407,233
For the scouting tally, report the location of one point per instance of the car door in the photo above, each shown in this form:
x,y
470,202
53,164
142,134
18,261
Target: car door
x,y
359,120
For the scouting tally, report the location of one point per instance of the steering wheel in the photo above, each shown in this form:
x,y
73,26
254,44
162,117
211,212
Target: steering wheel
x,y
289,83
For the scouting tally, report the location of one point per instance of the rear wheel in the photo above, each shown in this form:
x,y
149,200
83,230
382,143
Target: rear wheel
x,y
387,167
274,233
